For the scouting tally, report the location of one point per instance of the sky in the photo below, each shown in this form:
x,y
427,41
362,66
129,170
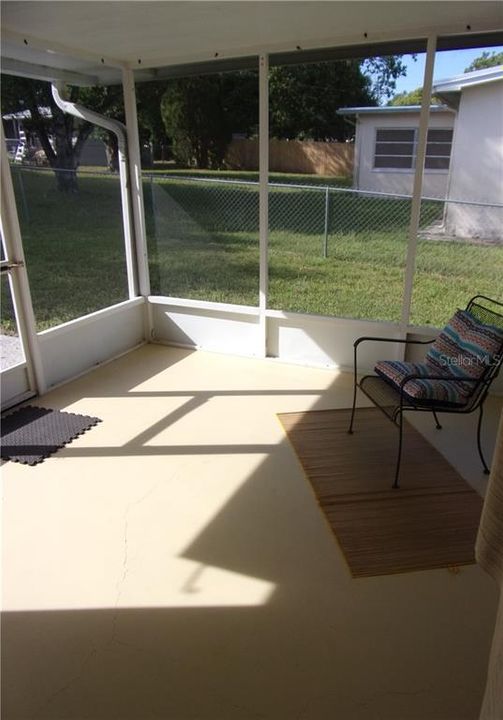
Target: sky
x,y
447,64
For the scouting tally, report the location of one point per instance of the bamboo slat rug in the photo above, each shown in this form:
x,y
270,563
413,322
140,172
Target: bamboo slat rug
x,y
431,521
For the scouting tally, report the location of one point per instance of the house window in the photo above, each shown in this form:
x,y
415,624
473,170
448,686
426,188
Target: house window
x,y
395,149
438,149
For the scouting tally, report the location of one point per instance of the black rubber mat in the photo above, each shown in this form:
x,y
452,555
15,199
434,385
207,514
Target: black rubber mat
x,y
32,434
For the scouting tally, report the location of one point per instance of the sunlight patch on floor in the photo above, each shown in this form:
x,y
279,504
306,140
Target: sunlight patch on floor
x,y
89,544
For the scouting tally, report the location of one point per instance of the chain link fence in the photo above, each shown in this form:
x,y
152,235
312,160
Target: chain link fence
x,y
332,250
185,207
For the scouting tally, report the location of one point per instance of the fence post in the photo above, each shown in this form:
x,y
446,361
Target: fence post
x,y
152,200
325,237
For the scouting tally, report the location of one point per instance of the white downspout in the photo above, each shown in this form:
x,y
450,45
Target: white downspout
x,y
119,130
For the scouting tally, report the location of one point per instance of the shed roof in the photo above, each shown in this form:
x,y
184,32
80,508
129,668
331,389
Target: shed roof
x,y
390,110
470,79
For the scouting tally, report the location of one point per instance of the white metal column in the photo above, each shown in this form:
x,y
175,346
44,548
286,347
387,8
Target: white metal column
x,y
415,212
134,156
136,192
21,296
263,196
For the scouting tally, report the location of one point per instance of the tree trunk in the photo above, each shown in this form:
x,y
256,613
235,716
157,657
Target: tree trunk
x,y
63,153
202,155
112,152
65,164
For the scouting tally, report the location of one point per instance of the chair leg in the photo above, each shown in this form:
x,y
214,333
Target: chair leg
x,y
355,386
438,426
350,429
399,454
479,445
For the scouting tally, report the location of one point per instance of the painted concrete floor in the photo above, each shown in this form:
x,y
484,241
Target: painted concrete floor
x,y
172,563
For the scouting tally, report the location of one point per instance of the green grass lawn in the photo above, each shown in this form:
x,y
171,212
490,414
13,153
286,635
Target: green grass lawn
x,y
73,246
203,244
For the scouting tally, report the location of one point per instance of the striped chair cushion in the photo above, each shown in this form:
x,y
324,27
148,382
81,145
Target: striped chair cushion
x,y
427,392
464,349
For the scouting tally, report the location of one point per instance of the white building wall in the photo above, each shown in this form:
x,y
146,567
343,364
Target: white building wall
x,y
477,164
395,181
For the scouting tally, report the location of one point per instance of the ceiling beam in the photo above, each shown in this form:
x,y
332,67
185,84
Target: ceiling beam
x,y
37,43
43,72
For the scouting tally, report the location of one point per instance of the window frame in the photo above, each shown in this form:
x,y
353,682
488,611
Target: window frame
x,y
412,169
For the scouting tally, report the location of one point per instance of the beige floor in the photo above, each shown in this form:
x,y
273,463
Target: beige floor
x,y
172,563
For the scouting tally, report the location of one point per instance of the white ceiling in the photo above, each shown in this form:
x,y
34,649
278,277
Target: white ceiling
x,y
94,37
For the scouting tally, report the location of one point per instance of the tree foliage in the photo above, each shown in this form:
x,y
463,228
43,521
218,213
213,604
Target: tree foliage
x,y
61,136
384,72
151,127
486,60
414,97
304,99
68,134
201,113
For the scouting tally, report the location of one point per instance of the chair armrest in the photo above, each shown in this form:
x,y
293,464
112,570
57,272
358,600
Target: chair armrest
x,y
394,340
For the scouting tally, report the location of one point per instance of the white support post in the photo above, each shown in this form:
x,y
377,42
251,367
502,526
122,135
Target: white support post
x,y
263,195
136,188
415,211
20,288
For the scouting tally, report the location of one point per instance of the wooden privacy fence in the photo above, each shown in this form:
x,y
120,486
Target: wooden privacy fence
x,y
294,156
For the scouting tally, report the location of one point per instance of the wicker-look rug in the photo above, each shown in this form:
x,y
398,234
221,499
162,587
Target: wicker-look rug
x,y
31,434
430,522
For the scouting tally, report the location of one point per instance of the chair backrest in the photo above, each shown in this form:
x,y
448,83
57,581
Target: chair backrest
x,y
489,312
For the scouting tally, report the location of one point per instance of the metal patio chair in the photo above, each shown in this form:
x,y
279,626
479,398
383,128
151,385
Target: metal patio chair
x,y
455,377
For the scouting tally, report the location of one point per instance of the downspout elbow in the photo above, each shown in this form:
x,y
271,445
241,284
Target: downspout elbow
x,y
83,113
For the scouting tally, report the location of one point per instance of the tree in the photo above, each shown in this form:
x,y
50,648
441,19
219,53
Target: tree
x,y
304,99
61,136
193,117
384,72
151,125
486,60
414,97
201,113
110,102
47,122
